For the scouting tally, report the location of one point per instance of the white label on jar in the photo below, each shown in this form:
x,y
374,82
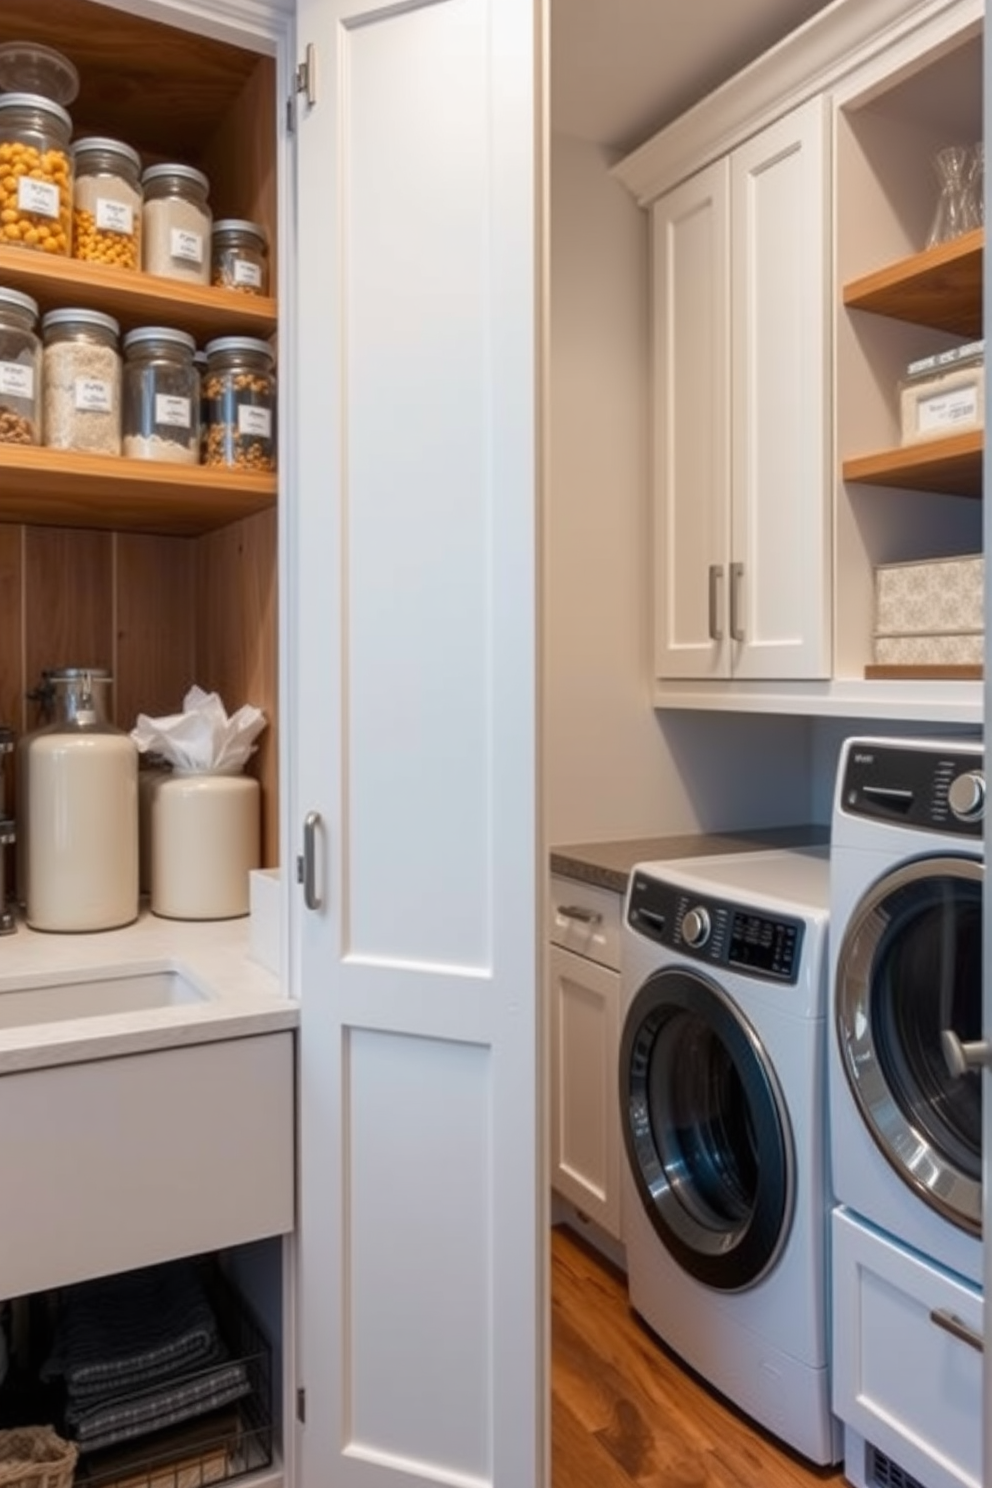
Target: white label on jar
x,y
115,216
39,197
187,245
945,410
171,411
257,421
247,273
16,380
93,395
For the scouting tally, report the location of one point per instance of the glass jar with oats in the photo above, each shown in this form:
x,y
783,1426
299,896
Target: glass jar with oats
x,y
107,199
36,174
239,394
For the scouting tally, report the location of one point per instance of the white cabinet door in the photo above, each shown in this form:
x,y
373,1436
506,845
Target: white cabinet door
x,y
780,566
585,1125
691,355
412,737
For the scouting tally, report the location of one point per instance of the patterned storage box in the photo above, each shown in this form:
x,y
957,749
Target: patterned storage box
x,y
930,613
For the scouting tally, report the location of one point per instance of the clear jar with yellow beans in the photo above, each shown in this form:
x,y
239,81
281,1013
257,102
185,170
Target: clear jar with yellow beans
x,y
36,174
107,200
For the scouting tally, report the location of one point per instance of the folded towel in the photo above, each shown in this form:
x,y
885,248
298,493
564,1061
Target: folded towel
x,y
137,1415
120,1333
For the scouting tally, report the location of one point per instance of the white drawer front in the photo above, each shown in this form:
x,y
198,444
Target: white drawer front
x,y
586,919
120,1163
906,1384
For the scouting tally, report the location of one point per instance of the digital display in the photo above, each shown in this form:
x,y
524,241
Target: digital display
x,y
764,945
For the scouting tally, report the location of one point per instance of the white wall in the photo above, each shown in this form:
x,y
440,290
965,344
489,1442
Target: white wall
x,y
614,768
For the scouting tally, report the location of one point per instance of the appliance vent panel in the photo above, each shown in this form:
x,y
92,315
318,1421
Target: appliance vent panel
x,y
884,1473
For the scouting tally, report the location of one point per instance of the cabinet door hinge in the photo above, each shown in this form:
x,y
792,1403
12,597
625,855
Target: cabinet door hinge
x,y
304,81
301,1406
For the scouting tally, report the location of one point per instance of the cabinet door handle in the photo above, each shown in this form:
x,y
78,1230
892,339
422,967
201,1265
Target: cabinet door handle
x,y
716,590
736,601
307,866
577,912
953,1325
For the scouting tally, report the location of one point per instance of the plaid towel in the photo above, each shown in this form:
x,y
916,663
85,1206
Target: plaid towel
x,y
121,1333
137,1415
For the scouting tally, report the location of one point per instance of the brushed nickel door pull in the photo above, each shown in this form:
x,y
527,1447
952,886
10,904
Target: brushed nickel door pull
x,y
308,862
716,589
736,601
953,1325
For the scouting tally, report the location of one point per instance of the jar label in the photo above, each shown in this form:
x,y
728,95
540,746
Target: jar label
x,y
92,395
257,421
247,273
945,411
172,411
16,380
115,216
39,197
187,245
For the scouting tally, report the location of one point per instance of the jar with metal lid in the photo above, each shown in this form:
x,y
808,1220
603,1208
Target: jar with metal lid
x,y
20,369
161,396
81,380
35,173
176,223
240,398
107,202
81,811
240,256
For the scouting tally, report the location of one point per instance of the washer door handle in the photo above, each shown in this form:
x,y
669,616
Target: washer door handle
x,y
960,1058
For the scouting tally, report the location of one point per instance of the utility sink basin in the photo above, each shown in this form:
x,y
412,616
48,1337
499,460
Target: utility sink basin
x,y
96,997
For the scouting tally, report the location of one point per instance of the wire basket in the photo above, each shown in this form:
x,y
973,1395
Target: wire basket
x,y
36,1457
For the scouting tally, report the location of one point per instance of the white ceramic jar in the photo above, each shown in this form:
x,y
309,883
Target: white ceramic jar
x,y
205,840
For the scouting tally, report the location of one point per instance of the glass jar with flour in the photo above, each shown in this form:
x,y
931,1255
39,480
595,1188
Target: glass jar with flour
x,y
176,221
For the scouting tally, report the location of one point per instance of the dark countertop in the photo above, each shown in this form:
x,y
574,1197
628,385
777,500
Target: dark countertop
x,y
608,865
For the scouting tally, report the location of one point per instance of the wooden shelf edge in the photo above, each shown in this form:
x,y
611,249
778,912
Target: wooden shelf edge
x,y
135,298
958,262
918,672
54,488
952,466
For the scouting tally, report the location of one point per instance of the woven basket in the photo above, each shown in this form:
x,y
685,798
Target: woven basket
x,y
36,1457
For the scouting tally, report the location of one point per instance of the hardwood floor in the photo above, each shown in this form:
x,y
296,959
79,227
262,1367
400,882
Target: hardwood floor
x,y
626,1414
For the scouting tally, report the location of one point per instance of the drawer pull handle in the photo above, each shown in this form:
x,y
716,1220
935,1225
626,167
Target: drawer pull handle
x,y
577,912
953,1325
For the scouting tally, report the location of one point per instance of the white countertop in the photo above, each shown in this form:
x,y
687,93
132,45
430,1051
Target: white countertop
x,y
240,996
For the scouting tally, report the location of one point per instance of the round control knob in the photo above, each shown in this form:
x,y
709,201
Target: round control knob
x,y
966,796
696,926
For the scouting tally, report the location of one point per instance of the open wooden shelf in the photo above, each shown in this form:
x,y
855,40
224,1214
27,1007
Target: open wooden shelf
x,y
951,466
136,299
918,672
65,489
940,288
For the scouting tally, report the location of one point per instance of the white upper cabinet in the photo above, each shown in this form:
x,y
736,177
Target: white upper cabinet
x,y
742,567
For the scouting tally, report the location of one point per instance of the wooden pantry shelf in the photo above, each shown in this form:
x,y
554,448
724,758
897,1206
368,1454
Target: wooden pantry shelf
x,y
54,488
940,288
136,299
951,466
918,672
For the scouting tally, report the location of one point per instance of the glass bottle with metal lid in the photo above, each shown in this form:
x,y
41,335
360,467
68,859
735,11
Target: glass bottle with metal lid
x,y
82,381
20,369
107,202
36,173
240,398
161,400
176,222
81,821
240,256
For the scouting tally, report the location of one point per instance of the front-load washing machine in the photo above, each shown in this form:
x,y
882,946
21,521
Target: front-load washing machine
x,y
722,1106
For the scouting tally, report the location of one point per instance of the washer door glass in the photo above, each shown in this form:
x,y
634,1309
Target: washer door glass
x,y
706,1130
909,969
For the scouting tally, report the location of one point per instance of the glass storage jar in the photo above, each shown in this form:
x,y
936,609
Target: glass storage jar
x,y
240,398
35,173
20,369
81,381
107,201
240,256
176,223
81,816
161,397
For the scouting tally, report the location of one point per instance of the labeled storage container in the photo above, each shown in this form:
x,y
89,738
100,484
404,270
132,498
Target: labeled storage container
x,y
35,173
176,222
943,394
20,369
239,257
161,399
240,399
107,203
81,796
930,612
82,381
205,841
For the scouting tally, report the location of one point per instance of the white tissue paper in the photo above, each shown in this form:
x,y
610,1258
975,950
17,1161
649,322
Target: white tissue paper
x,y
201,740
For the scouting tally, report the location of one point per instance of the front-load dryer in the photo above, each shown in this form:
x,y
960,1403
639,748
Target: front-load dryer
x,y
722,1108
906,880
